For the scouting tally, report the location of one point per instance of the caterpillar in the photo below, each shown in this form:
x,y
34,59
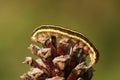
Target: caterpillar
x,y
75,37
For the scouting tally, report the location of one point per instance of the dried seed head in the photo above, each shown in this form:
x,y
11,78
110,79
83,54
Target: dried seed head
x,y
62,56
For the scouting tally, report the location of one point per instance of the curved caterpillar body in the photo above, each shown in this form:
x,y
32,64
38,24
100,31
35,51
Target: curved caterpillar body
x,y
50,30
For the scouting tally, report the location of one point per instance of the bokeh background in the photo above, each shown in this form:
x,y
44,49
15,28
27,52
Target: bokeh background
x,y
99,20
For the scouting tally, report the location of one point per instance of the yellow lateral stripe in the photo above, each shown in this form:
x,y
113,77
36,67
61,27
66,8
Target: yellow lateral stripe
x,y
66,34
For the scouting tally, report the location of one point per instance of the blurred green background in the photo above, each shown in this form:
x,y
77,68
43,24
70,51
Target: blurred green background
x,y
99,20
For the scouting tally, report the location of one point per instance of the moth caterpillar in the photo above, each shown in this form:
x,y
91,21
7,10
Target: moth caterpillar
x,y
50,30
